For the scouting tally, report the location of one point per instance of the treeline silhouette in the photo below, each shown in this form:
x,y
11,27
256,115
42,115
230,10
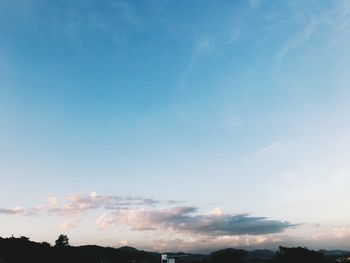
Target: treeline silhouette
x,y
23,250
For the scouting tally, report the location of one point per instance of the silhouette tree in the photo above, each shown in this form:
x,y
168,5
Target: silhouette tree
x,y
24,238
298,254
62,241
45,244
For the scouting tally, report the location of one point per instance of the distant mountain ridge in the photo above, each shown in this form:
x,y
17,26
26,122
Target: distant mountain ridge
x,y
19,250
335,252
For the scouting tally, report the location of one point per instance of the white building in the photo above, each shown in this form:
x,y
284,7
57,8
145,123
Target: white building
x,y
166,258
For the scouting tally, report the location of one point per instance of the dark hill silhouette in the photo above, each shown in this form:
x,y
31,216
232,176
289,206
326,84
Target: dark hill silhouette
x,y
335,253
228,255
128,249
299,254
259,255
18,250
23,250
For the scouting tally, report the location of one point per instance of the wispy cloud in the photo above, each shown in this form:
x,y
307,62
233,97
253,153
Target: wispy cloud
x,y
340,22
299,40
77,204
334,22
126,11
267,150
203,45
254,3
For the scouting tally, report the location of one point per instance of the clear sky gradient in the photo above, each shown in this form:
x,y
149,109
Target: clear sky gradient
x,y
176,125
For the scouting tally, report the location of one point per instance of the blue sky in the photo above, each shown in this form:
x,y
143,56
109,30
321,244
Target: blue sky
x,y
114,114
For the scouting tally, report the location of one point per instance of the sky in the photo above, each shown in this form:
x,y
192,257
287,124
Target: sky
x,y
176,125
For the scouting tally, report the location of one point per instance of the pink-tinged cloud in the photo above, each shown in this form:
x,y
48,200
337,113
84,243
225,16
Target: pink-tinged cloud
x,y
77,204
141,214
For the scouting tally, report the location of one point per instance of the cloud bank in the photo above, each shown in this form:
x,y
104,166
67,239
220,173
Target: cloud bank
x,y
187,219
147,214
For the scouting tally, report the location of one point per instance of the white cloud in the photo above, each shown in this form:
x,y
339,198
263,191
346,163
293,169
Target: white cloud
x,y
216,212
124,242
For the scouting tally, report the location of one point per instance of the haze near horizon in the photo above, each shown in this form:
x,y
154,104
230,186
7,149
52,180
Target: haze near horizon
x,y
176,125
